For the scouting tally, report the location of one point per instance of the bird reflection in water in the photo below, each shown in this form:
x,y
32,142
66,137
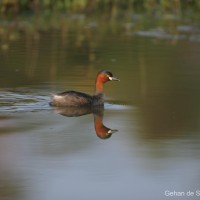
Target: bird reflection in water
x,y
102,131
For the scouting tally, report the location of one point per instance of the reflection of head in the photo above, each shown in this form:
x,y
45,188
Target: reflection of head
x,y
101,131
106,134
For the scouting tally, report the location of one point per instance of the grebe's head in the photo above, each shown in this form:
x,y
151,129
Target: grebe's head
x,y
105,75
105,134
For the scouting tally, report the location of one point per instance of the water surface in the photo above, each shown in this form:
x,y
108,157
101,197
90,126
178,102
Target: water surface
x,y
155,108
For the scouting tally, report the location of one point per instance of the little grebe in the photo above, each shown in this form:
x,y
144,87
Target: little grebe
x,y
77,99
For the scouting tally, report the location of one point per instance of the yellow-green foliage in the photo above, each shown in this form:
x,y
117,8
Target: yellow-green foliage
x,y
17,6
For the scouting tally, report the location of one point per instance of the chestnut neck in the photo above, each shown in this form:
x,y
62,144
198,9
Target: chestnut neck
x,y
99,86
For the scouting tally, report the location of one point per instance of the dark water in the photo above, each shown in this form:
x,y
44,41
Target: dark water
x,y
155,108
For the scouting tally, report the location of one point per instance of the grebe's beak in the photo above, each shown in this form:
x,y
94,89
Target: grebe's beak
x,y
111,131
113,78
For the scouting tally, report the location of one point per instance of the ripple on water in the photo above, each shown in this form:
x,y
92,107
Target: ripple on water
x,y
14,101
118,105
11,101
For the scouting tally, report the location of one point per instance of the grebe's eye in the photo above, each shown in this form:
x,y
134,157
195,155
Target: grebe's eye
x,y
110,78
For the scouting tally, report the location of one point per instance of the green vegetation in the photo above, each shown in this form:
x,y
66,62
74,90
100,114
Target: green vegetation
x,y
113,7
28,18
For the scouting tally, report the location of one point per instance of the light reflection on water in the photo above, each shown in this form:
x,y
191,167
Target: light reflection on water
x,y
12,101
49,155
155,108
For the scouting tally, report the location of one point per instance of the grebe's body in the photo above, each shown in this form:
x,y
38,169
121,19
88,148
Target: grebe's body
x,y
77,99
74,98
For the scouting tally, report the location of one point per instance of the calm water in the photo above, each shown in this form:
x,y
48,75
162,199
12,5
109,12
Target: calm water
x,y
155,108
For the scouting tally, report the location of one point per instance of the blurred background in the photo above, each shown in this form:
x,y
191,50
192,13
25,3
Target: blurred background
x,y
48,46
